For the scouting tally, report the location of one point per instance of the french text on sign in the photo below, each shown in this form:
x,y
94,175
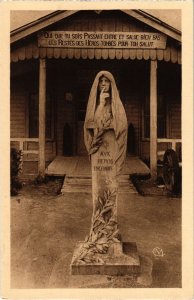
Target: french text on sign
x,y
108,40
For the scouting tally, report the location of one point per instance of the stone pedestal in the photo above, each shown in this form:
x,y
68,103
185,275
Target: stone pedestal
x,y
103,252
120,259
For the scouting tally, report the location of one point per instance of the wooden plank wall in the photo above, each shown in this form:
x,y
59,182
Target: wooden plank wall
x,y
174,128
21,88
116,21
17,114
175,120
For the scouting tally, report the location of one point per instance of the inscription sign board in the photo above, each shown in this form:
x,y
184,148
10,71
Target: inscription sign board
x,y
107,40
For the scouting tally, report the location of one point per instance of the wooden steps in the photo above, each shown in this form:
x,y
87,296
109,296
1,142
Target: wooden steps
x,y
126,185
77,184
83,184
80,165
77,172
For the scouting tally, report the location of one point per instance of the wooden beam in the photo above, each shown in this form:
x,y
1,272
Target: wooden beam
x,y
42,114
153,118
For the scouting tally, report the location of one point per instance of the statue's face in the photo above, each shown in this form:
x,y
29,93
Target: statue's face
x,y
104,84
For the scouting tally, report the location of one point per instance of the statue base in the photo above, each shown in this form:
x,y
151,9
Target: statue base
x,y
121,259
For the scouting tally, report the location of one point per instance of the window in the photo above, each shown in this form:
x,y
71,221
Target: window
x,y
161,118
33,116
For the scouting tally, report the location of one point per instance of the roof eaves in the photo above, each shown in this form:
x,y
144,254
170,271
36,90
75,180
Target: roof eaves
x,y
30,24
159,21
155,23
39,24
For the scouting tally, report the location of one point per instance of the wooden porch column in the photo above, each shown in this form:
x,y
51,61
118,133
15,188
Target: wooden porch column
x,y
153,118
42,114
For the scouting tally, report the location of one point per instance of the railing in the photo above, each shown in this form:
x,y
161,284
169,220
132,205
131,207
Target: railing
x,y
23,144
173,143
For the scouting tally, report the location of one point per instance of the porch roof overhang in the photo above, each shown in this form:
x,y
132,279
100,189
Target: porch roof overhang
x,y
170,54
31,50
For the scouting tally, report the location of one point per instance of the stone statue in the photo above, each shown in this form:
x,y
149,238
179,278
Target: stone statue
x,y
115,116
105,134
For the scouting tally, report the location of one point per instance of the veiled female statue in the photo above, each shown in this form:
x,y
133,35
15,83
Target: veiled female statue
x,y
105,134
105,110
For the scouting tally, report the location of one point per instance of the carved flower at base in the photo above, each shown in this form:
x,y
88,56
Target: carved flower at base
x,y
104,230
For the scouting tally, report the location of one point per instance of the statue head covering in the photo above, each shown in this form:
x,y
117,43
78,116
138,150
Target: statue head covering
x,y
119,121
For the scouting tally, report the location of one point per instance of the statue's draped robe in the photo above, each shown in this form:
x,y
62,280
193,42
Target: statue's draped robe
x,y
119,122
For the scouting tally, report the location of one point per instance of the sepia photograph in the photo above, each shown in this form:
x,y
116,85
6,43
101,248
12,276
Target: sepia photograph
x,y
96,149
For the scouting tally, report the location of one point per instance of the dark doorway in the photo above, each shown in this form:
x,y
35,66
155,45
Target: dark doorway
x,y
67,140
131,139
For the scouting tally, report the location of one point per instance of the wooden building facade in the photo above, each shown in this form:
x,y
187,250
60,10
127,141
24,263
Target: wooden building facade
x,y
50,84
